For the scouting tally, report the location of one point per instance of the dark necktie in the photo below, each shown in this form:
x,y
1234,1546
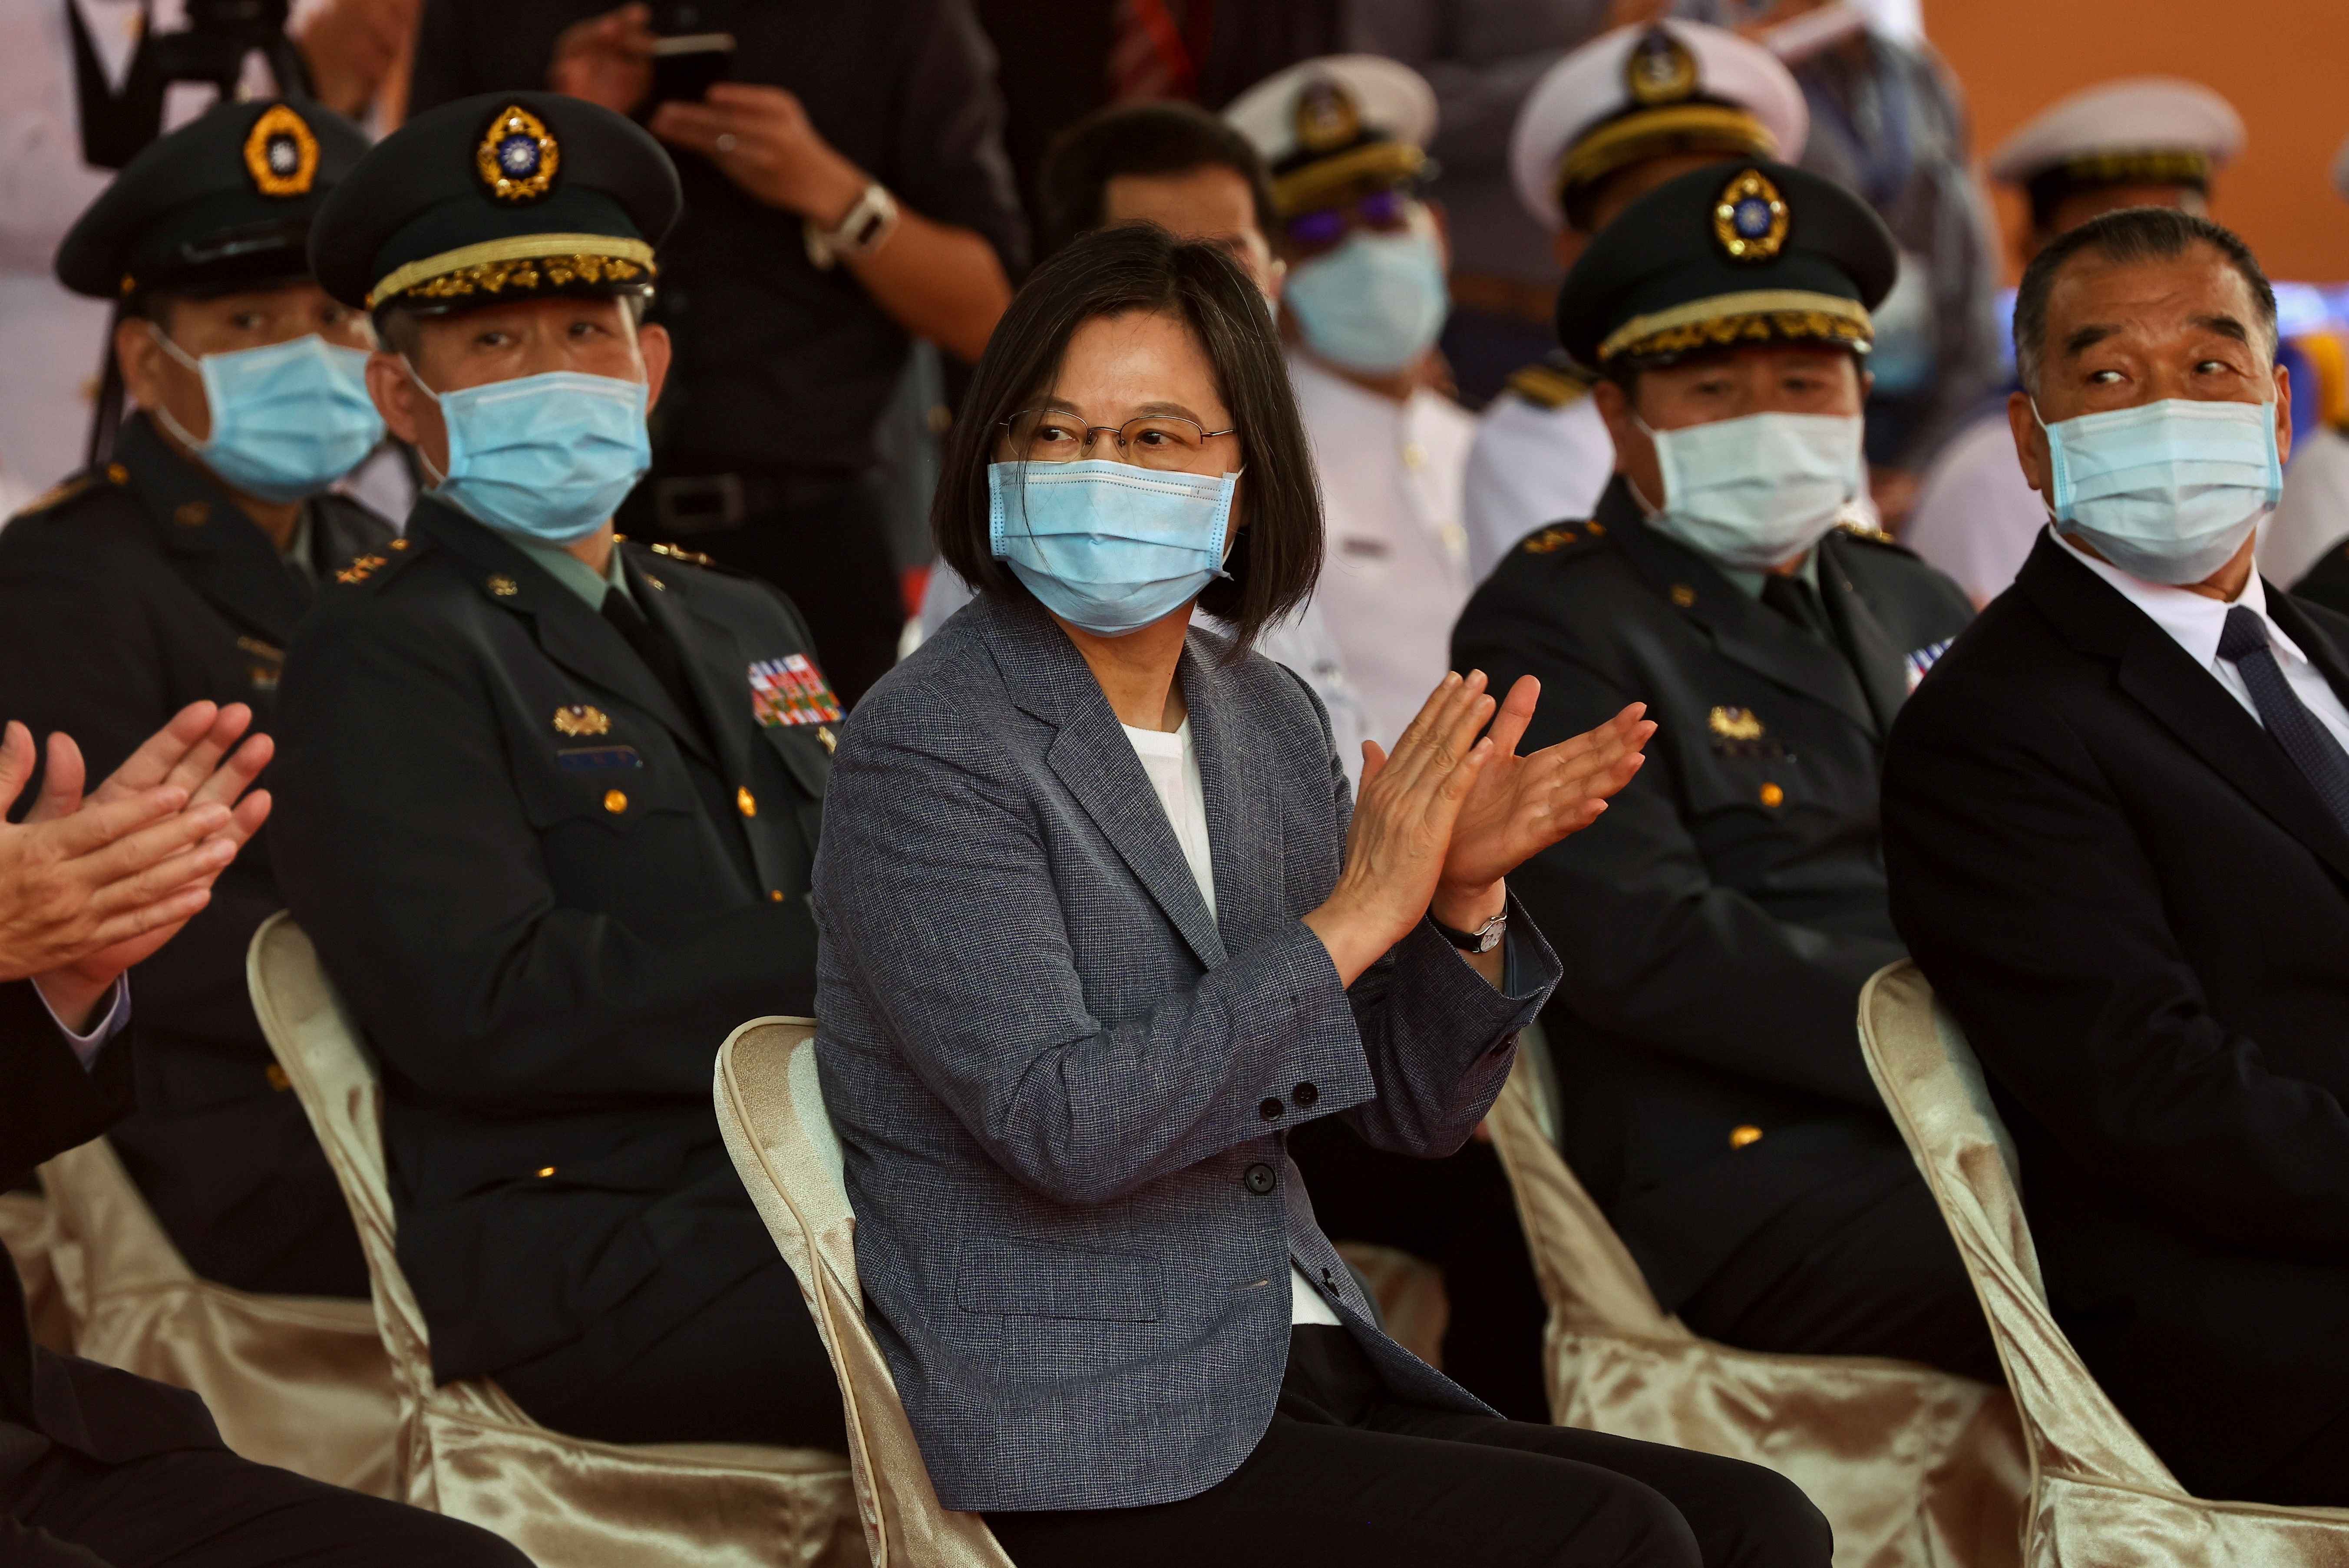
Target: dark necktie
x,y
1799,602
2302,736
657,652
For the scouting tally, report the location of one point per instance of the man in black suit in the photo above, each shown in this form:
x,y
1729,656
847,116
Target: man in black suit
x,y
176,571
2116,824
549,800
97,1466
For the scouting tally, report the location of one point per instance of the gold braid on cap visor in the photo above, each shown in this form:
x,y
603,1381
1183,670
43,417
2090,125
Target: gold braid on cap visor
x,y
2140,165
1758,316
1300,190
1651,133
524,265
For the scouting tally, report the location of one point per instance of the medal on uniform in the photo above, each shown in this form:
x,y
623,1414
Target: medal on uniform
x,y
791,690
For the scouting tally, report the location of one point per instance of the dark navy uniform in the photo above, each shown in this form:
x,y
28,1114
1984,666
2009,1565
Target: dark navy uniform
x,y
552,836
141,586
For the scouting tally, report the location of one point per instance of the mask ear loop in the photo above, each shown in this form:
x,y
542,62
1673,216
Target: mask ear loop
x,y
439,477
163,414
2053,520
1232,540
1646,507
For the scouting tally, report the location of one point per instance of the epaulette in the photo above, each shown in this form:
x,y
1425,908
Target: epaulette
x,y
393,555
689,557
1858,530
1548,386
57,495
1560,536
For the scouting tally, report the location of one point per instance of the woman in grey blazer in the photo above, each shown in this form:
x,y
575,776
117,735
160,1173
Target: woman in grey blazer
x,y
1101,923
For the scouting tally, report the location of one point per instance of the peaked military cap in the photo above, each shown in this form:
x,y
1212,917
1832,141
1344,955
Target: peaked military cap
x,y
502,196
1328,126
227,200
1726,255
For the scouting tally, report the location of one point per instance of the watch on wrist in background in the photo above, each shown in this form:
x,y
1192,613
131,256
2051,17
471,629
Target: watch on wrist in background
x,y
864,229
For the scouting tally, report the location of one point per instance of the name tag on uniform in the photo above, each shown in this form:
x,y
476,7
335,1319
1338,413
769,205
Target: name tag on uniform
x,y
1920,660
590,759
791,690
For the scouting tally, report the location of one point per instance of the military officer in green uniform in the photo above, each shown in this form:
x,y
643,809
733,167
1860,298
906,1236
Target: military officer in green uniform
x,y
550,799
177,572
1718,926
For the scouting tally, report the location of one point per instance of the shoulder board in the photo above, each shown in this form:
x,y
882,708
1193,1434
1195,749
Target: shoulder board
x,y
690,557
79,485
687,557
377,563
1561,536
1547,386
1861,530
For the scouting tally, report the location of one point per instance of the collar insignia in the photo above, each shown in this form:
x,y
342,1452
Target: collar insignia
x,y
517,158
1326,118
1750,219
281,153
1660,70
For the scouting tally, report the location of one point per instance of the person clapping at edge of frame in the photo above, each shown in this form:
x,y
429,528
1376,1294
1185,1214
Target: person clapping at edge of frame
x,y
550,800
845,191
1098,932
97,1466
179,570
1717,932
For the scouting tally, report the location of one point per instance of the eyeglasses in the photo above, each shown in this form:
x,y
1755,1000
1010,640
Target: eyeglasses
x,y
1168,442
1381,212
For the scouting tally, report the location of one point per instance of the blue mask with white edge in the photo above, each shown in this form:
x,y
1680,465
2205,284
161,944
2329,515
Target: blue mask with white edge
x,y
545,458
2166,491
287,420
1105,545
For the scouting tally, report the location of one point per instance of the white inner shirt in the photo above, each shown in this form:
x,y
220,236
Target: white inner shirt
x,y
1172,764
2195,621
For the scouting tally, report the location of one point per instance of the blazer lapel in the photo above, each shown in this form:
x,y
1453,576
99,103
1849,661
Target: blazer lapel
x,y
2187,699
1095,762
221,552
1876,657
1244,836
715,666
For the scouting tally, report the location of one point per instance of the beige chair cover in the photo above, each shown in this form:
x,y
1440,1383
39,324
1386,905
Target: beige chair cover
x,y
465,1449
771,1108
2099,1497
1912,1467
296,1381
31,1240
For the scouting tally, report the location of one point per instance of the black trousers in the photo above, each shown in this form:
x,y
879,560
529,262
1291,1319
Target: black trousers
x,y
206,1508
749,1367
1347,1474
822,539
1458,1214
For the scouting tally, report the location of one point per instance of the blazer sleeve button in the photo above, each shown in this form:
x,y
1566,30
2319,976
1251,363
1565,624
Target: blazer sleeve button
x,y
1257,1179
1270,1110
1304,1095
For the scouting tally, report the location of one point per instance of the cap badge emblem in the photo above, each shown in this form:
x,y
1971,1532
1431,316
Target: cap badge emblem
x,y
1660,69
281,153
579,718
517,157
1326,118
1750,219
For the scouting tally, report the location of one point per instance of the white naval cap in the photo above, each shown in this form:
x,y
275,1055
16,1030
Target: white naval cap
x,y
1639,91
1322,124
2139,130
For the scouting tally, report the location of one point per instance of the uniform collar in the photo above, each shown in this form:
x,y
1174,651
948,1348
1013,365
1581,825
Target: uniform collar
x,y
577,574
232,560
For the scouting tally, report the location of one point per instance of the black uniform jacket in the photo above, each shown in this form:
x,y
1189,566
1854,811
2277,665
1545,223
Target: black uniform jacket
x,y
1717,922
48,1103
548,894
129,594
2138,909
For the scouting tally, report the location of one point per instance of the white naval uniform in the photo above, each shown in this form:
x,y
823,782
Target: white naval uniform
x,y
1977,517
2314,514
1395,576
1531,466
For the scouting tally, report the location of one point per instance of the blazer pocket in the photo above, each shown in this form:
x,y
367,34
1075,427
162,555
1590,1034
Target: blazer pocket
x,y
1018,1279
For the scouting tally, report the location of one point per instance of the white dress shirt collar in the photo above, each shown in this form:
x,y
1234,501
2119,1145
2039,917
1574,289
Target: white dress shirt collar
x,y
2195,621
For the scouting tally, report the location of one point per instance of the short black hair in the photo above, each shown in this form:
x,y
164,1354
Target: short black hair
x,y
1116,271
2125,235
1148,138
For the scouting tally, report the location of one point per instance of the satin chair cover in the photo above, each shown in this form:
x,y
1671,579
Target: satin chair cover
x,y
771,1110
1913,1468
2100,1498
465,1449
26,1233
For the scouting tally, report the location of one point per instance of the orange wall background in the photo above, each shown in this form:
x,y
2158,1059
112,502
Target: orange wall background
x,y
2283,64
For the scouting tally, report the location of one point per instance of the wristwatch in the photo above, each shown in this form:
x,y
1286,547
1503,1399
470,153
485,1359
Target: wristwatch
x,y
864,230
1484,939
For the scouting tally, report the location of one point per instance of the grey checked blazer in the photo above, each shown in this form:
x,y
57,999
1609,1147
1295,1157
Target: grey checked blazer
x,y
1062,1086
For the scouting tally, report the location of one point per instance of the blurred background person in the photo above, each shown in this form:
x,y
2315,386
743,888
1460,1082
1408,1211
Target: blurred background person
x,y
1603,126
845,191
1179,167
2302,542
1361,308
2146,141
179,571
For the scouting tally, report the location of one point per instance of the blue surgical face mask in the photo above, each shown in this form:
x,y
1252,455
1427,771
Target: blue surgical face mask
x,y
1375,304
1105,545
287,420
2166,491
548,458
1756,492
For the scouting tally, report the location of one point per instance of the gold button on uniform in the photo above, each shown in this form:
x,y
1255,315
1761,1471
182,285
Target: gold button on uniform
x,y
775,893
277,1079
545,1171
1684,595
1739,1136
746,802
823,733
1772,795
615,800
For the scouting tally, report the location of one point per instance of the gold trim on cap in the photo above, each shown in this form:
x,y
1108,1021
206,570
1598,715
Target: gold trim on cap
x,y
1297,190
2140,165
275,123
1752,316
496,264
1647,133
